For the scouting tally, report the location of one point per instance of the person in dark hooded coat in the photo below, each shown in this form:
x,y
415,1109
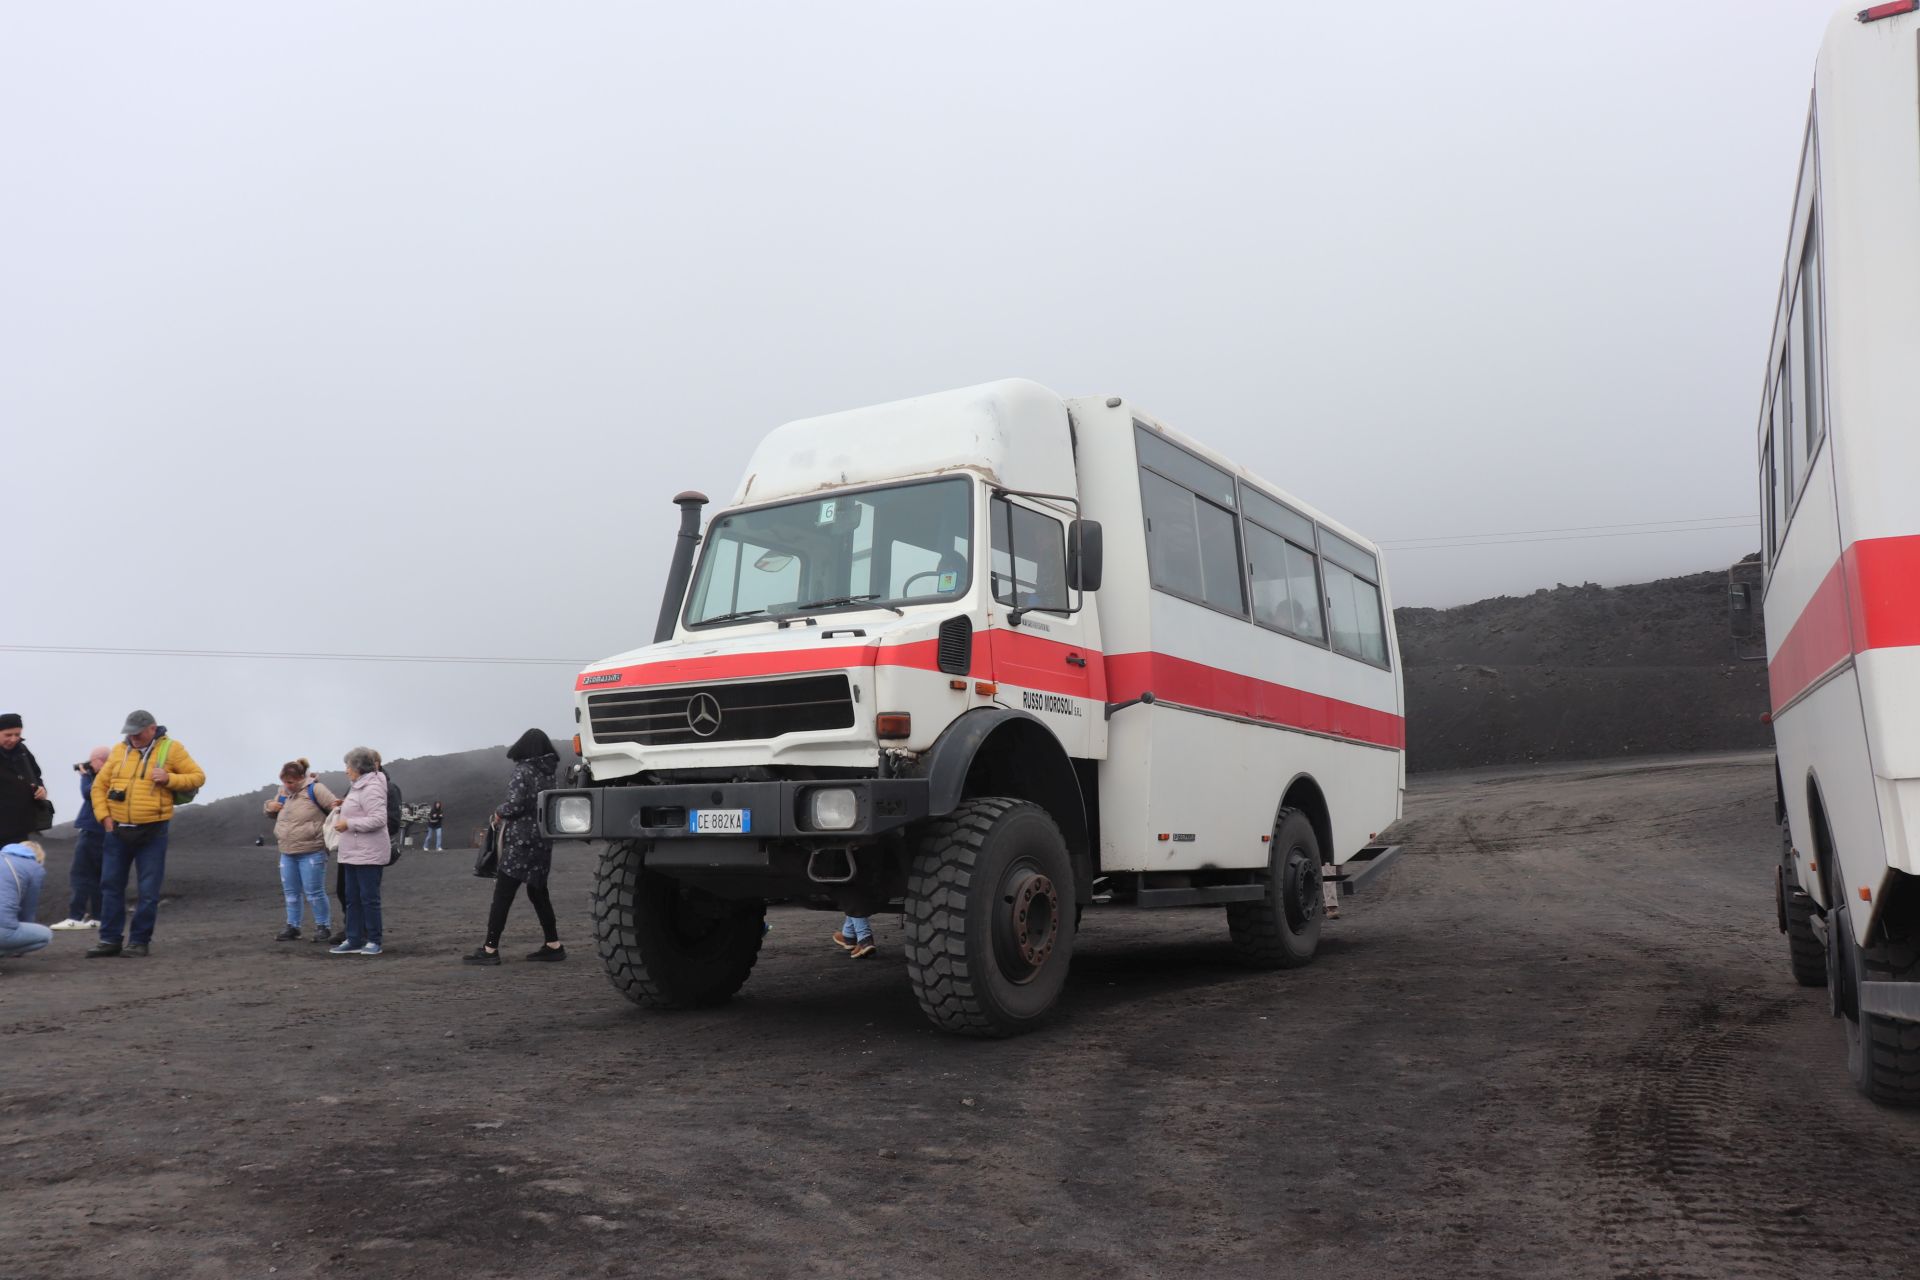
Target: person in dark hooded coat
x,y
525,856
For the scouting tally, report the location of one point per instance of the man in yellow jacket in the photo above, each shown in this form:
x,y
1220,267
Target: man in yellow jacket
x,y
133,796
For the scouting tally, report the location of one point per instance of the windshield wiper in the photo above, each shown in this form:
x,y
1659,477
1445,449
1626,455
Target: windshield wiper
x,y
839,600
733,617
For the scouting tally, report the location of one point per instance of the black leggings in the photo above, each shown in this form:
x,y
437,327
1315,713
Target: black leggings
x,y
504,887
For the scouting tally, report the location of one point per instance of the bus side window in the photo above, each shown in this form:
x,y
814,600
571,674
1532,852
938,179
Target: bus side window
x,y
1808,343
1033,575
1193,539
1353,600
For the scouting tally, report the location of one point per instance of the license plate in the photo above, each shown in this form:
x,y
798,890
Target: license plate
x,y
719,822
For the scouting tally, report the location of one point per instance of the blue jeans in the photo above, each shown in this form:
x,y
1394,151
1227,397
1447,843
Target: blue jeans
x,y
363,902
150,858
859,928
83,877
304,875
24,937
436,839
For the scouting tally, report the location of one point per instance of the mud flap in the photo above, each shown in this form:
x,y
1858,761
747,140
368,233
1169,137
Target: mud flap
x,y
1899,1000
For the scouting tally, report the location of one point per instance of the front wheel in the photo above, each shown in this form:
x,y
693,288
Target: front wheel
x,y
667,945
1282,930
989,918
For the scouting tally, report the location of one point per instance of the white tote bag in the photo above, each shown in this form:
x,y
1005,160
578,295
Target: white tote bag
x,y
329,834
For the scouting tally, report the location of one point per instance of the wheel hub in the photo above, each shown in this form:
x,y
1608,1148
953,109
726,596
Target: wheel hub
x,y
1028,925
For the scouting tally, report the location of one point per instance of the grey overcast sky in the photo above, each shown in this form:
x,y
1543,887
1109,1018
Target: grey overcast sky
x,y
392,327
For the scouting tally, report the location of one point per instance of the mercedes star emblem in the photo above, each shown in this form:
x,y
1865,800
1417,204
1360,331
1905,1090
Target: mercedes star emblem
x,y
703,714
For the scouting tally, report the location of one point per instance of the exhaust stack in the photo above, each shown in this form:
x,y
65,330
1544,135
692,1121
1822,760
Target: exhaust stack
x,y
681,569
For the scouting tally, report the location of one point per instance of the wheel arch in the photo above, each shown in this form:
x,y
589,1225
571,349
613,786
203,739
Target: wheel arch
x,y
1304,794
998,751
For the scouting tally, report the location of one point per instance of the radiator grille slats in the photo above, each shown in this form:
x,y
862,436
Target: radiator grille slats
x,y
721,712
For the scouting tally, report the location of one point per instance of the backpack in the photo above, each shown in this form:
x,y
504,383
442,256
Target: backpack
x,y
160,762
393,817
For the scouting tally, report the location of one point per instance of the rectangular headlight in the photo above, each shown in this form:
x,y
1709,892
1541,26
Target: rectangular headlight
x,y
832,809
570,815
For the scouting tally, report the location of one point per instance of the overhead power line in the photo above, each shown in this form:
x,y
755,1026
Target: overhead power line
x,y
130,651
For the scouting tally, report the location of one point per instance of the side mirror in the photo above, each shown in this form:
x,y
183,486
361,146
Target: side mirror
x,y
1740,610
1085,558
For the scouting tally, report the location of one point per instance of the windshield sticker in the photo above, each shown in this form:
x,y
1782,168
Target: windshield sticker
x,y
826,512
949,581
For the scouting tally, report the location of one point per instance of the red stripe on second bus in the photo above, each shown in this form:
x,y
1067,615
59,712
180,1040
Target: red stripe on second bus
x,y
1197,685
1870,599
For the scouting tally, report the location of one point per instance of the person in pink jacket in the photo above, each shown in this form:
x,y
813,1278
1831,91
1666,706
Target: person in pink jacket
x,y
364,853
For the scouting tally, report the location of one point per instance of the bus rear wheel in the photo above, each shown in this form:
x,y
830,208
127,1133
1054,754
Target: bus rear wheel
x,y
989,918
668,945
1282,930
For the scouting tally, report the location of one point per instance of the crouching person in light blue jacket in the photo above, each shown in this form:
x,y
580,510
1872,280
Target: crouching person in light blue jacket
x,y
21,875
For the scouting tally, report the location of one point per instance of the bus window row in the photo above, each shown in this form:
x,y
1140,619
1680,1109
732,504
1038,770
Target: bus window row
x,y
1217,541
1796,404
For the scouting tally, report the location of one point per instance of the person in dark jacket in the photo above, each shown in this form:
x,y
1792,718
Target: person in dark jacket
x,y
16,759
436,836
90,838
525,857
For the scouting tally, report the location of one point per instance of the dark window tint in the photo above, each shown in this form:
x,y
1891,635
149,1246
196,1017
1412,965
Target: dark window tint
x,y
1184,468
1282,520
1341,552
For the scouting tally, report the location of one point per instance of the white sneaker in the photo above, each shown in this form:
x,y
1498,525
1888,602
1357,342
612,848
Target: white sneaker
x,y
69,924
90,923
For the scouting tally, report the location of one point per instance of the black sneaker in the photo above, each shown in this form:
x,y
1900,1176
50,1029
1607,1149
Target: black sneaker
x,y
134,951
324,934
549,954
480,955
99,949
288,934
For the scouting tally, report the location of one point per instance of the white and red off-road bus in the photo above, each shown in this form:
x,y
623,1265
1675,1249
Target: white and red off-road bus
x,y
1839,455
998,657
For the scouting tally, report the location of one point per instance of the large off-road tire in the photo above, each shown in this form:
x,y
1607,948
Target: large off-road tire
x,y
1282,930
989,918
1808,957
667,945
1883,1054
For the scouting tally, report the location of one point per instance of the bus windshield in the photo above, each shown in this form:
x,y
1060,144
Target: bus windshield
x,y
883,547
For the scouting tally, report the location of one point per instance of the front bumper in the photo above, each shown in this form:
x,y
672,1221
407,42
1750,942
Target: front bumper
x,y
779,809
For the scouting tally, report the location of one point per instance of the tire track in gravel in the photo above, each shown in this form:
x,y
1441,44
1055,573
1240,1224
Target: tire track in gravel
x,y
1702,1174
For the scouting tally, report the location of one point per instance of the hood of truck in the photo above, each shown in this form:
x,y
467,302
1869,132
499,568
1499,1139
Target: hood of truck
x,y
637,709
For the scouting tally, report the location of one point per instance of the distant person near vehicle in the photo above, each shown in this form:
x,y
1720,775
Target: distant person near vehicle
x,y
436,838
21,874
134,793
15,758
525,857
365,852
90,839
301,810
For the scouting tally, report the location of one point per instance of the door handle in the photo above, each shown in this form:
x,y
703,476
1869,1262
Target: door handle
x,y
1074,659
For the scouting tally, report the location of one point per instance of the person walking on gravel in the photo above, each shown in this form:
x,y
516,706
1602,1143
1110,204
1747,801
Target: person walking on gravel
x,y
301,810
436,838
90,839
856,935
365,851
133,796
525,858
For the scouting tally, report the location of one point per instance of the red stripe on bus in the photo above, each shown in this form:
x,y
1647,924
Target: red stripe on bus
x,y
1868,600
1205,688
1029,661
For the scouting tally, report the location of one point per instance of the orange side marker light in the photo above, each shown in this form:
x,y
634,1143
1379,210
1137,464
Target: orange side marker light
x,y
1866,894
985,688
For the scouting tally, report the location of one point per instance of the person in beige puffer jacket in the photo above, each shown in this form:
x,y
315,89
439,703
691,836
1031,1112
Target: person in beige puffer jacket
x,y
300,812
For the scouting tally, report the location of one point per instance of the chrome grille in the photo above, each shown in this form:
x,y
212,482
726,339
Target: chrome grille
x,y
735,712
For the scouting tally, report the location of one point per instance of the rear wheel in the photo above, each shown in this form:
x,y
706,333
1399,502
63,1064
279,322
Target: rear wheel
x,y
1282,930
668,945
1883,1054
989,918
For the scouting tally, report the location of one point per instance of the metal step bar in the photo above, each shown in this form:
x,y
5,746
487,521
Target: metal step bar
x,y
1364,868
